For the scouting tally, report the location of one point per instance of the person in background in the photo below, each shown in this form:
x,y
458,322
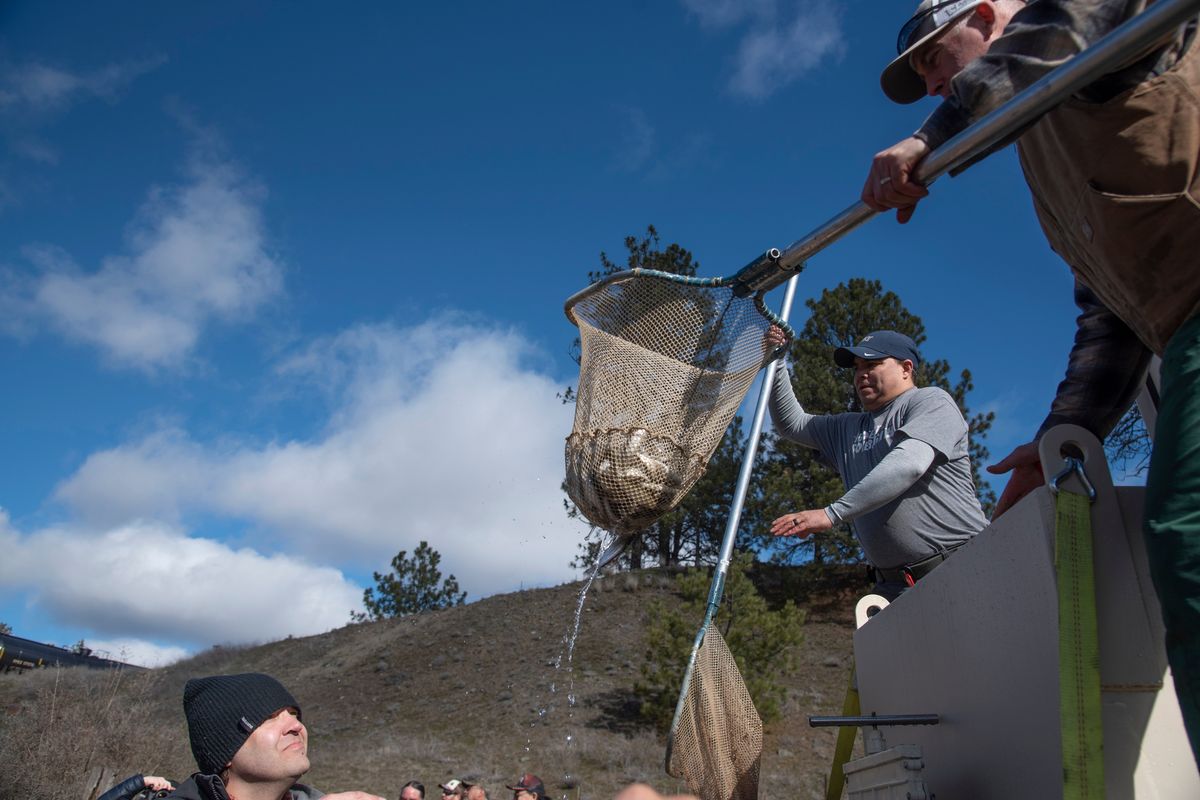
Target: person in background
x,y
529,787
248,741
413,790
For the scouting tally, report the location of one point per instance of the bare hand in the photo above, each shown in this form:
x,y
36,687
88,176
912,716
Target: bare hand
x,y
776,337
802,523
156,783
889,183
1026,466
640,791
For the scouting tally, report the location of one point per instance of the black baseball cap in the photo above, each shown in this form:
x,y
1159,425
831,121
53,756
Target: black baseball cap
x,y
876,345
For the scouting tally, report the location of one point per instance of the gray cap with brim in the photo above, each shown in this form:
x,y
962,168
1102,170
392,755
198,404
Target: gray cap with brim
x,y
900,82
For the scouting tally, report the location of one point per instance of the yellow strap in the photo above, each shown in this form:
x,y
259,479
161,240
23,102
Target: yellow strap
x,y
1078,652
845,741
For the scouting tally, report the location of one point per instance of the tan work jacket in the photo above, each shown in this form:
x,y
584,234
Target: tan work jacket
x,y
1116,186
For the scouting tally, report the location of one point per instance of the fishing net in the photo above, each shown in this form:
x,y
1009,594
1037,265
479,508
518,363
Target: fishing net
x,y
666,360
716,745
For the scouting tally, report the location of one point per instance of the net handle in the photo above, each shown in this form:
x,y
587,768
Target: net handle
x,y
717,588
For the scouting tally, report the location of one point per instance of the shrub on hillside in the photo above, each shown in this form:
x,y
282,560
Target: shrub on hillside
x,y
762,641
73,721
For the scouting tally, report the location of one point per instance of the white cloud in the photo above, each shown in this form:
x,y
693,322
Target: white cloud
x,y
148,580
194,254
40,88
33,94
638,150
137,651
724,13
781,41
770,58
441,432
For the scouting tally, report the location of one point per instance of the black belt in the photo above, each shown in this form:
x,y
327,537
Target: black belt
x,y
911,573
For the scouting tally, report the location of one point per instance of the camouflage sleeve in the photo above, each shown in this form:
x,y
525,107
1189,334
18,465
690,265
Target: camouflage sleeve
x,y
1105,371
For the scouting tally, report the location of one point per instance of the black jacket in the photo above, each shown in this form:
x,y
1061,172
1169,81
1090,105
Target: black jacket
x,y
210,787
125,789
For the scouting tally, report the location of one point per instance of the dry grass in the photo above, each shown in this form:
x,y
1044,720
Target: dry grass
x,y
469,692
61,724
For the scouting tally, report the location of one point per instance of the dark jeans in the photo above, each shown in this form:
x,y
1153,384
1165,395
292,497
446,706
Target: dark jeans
x,y
1172,524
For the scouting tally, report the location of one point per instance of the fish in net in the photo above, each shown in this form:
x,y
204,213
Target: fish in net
x,y
665,362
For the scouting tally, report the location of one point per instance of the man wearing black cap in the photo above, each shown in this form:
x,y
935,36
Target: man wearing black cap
x,y
248,740
1115,177
910,495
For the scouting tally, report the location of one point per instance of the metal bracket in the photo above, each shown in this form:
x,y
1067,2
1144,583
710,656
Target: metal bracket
x,y
1073,466
760,274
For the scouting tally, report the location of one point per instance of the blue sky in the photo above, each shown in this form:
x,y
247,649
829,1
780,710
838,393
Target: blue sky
x,y
281,285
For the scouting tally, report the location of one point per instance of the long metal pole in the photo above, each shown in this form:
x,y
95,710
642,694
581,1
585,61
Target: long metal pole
x,y
1131,38
717,587
743,482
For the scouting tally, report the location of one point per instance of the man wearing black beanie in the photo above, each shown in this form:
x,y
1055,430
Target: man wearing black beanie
x,y
248,741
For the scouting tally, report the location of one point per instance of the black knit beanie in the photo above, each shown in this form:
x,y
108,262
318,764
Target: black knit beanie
x,y
223,710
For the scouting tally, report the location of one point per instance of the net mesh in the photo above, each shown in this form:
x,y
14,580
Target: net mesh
x,y
665,363
717,746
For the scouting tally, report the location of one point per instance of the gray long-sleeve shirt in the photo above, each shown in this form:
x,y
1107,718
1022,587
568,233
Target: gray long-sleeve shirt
x,y
923,500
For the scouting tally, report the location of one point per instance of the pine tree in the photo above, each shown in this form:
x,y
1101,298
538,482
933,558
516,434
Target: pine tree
x,y
763,641
414,585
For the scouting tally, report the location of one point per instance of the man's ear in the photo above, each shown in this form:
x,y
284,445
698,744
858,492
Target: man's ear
x,y
985,13
909,368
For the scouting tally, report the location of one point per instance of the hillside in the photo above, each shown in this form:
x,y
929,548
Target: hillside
x,y
468,692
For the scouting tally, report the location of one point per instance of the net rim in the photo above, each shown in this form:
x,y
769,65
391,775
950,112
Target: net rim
x,y
715,283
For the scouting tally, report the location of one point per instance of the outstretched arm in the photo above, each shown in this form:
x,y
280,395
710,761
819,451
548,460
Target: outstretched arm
x,y
125,789
1105,372
894,475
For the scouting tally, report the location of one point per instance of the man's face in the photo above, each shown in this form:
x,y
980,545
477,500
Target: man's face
x,y
277,749
410,793
457,793
943,58
879,382
476,793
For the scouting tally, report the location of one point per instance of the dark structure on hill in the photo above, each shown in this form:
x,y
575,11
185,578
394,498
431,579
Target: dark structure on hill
x,y
18,655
